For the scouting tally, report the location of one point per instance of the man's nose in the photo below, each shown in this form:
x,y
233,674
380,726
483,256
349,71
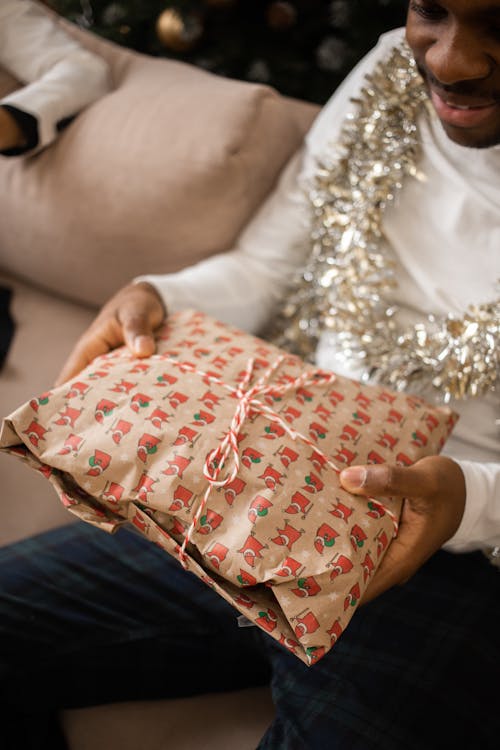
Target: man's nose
x,y
458,55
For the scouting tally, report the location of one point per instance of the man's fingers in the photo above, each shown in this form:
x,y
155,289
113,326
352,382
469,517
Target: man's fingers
x,y
75,363
434,499
403,557
130,317
82,355
393,570
389,481
387,574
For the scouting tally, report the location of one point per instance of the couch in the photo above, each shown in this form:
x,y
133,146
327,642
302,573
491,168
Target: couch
x,y
163,171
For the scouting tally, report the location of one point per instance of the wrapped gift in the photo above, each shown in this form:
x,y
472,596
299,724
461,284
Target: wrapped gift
x,y
225,451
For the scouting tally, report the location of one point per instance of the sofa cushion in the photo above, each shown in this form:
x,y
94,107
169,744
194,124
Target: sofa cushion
x,y
159,173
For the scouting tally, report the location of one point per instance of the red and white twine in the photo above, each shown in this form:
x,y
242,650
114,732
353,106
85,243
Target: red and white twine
x,y
250,405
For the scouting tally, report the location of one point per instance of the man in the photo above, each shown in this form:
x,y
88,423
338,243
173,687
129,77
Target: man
x,y
418,664
60,77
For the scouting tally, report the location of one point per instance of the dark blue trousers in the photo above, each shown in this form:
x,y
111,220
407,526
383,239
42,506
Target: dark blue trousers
x,y
87,618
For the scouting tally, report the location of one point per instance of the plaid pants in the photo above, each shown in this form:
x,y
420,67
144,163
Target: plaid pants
x,y
87,618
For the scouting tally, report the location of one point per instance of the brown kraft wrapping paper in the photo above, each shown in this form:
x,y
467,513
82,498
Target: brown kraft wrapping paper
x,y
225,451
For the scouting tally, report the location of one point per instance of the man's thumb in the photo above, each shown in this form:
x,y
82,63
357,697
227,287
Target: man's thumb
x,y
381,479
143,345
138,334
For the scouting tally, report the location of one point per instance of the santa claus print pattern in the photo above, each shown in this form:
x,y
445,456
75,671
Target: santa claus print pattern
x,y
225,451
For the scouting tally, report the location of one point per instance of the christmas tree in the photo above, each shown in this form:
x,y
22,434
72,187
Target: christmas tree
x,y
303,48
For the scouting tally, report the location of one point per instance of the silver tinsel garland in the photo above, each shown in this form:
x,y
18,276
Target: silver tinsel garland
x,y
342,288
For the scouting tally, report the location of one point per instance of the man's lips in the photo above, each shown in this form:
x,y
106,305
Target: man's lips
x,y
463,112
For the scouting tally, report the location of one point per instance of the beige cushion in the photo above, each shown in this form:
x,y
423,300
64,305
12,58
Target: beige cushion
x,y
156,175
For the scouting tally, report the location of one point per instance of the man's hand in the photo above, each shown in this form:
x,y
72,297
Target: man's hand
x,y
434,501
130,317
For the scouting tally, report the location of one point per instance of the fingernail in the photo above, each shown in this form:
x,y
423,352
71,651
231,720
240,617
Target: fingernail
x,y
355,476
142,344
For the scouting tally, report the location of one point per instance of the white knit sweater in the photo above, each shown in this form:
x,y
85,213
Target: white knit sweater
x,y
445,236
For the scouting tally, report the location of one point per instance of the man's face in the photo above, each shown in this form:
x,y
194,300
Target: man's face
x,y
456,44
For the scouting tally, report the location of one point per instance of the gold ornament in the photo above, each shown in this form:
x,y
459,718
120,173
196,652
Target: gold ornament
x,y
341,292
178,33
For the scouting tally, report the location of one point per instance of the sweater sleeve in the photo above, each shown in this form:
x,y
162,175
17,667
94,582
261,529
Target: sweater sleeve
x,y
242,286
60,77
480,526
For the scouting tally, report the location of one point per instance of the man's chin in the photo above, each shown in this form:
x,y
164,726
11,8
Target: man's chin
x,y
470,137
